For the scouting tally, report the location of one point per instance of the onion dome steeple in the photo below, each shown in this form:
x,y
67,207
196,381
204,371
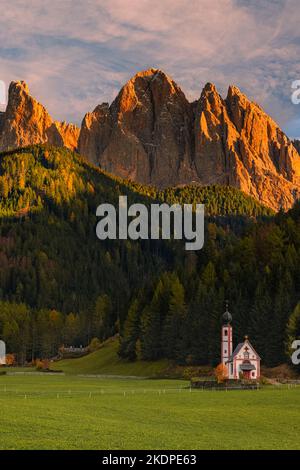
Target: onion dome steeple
x,y
227,317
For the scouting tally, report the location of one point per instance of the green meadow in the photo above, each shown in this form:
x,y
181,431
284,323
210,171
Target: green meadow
x,y
43,411
106,361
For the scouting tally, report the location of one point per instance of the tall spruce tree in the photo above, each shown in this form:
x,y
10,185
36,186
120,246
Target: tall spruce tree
x,y
174,324
130,332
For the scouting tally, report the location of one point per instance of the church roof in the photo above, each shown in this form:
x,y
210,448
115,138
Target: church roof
x,y
239,347
236,351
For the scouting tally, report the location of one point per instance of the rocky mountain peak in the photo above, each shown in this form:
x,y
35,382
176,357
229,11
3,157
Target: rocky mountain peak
x,y
149,125
209,88
210,100
233,90
18,87
148,88
27,122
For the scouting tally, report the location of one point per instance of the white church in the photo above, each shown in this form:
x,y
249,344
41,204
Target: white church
x,y
244,360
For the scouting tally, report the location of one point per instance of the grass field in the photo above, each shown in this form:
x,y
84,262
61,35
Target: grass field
x,y
70,412
106,361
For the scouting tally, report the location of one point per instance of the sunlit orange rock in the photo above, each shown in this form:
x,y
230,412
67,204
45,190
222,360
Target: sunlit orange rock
x,y
237,143
27,122
145,135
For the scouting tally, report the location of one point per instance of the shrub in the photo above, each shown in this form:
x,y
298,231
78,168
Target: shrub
x,y
42,365
94,345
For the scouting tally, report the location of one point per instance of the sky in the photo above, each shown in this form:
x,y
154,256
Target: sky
x,y
75,54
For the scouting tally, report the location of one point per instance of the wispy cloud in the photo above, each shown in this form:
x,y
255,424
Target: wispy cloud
x,y
75,54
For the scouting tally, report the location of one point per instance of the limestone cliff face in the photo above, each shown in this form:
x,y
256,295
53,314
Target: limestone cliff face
x,y
69,134
27,122
145,135
95,133
237,143
214,134
152,134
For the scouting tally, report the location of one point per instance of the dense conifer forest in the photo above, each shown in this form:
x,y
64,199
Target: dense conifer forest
x,y
59,284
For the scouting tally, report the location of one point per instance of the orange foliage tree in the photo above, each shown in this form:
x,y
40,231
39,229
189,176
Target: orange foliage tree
x,y
221,373
10,359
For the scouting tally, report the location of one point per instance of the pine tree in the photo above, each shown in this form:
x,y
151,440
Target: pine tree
x,y
130,332
151,343
173,332
101,318
260,320
196,329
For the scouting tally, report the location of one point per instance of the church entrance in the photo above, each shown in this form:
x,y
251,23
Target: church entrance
x,y
246,374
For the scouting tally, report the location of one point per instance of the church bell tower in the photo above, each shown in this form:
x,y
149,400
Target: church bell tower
x,y
226,342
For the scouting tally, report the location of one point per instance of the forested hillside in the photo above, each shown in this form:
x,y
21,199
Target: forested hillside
x,y
60,285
